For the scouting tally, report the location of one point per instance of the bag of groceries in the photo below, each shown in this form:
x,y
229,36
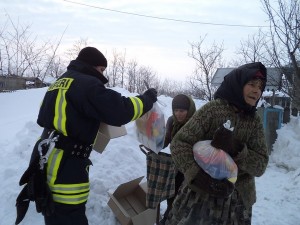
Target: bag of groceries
x,y
150,129
216,162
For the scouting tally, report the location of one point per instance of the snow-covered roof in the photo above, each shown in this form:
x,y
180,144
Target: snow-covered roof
x,y
277,94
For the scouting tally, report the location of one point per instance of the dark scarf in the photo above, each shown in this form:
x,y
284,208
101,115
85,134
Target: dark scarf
x,y
177,125
231,88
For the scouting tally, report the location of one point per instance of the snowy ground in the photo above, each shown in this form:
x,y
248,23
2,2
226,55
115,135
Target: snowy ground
x,y
278,190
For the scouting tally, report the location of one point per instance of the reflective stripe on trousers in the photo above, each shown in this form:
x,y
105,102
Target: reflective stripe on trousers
x,y
64,193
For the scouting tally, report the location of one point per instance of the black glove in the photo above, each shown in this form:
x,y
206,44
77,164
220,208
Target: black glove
x,y
151,93
41,193
241,153
22,204
217,188
221,188
222,139
237,147
36,189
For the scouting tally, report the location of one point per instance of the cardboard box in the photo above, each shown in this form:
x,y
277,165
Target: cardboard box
x,y
105,133
128,202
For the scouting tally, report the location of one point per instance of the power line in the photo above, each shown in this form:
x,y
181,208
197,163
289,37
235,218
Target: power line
x,y
163,18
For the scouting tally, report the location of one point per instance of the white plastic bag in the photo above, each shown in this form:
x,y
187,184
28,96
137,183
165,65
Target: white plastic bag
x,y
151,129
216,162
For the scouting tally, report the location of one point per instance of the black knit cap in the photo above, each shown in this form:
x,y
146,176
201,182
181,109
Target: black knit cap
x,y
181,102
92,56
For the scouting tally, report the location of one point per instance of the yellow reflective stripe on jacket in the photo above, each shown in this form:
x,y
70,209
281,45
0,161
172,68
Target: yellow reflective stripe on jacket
x,y
60,112
70,188
53,165
138,107
60,118
71,199
64,193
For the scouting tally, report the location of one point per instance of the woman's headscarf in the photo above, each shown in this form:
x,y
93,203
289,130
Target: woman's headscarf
x,y
182,101
231,88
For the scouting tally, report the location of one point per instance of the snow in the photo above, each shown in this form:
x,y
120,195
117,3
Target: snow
x,y
277,94
278,190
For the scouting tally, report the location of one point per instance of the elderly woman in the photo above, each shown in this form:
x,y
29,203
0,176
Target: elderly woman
x,y
207,201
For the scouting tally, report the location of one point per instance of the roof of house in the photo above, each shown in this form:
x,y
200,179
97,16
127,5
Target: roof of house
x,y
273,77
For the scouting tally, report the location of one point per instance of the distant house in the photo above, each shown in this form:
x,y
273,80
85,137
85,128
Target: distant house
x,y
273,82
13,82
10,83
277,98
34,82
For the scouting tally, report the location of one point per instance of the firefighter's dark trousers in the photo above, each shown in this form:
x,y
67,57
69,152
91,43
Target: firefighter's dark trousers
x,y
67,215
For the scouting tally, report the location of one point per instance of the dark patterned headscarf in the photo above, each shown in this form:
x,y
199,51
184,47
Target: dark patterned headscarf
x,y
231,88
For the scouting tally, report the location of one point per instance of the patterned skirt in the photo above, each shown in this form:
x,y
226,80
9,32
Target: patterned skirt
x,y
194,208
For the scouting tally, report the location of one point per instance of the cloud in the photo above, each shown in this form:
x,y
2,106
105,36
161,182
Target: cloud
x,y
161,39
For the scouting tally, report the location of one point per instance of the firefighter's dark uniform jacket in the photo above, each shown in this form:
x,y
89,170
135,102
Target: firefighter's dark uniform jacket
x,y
75,105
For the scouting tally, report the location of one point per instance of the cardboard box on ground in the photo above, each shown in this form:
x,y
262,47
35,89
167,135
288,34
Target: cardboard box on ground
x,y
128,202
105,133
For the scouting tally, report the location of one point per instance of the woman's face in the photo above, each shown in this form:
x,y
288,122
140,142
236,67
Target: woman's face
x,y
252,91
180,114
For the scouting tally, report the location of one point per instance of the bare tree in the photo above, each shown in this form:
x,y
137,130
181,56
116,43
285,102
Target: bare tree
x,y
113,70
171,88
57,67
253,49
132,70
122,68
284,17
146,77
13,59
167,87
21,52
51,59
207,60
72,52
257,49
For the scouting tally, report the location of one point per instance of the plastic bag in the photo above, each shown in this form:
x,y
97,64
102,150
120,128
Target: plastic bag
x,y
151,129
216,162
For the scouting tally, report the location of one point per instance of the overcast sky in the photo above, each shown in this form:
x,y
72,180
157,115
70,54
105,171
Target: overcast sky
x,y
161,44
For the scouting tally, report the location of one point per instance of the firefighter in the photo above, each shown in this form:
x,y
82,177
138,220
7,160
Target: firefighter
x,y
72,109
